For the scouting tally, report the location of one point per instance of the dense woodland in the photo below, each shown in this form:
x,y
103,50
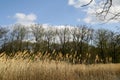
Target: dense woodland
x,y
80,42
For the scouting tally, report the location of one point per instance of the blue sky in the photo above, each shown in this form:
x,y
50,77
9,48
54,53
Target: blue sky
x,y
54,12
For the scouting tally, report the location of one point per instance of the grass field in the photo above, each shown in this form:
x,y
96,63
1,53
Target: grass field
x,y
26,69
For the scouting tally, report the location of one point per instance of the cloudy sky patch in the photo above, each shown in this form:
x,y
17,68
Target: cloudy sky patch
x,y
26,19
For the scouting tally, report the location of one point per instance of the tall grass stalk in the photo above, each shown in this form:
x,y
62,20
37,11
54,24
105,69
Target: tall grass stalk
x,y
22,67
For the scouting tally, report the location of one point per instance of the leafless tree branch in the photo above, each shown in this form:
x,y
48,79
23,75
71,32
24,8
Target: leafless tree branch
x,y
87,3
107,4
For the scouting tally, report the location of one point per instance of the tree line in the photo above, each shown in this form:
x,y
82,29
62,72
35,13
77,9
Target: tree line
x,y
82,42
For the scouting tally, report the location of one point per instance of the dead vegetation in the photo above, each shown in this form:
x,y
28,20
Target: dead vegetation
x,y
22,67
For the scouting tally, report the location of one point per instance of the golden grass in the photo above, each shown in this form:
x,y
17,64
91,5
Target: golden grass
x,y
18,68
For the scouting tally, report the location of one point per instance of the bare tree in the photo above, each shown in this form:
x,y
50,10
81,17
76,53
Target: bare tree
x,y
105,10
114,44
63,37
38,33
3,37
19,33
3,31
49,36
101,40
88,41
80,36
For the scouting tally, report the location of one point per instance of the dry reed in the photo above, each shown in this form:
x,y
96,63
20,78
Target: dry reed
x,y
21,67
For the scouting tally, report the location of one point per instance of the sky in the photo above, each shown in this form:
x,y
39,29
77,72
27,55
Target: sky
x,y
53,12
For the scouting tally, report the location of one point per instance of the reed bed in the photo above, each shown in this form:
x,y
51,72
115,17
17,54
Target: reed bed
x,y
24,67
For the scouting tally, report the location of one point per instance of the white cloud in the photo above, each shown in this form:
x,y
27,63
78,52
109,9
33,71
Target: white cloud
x,y
71,2
79,3
87,20
97,7
25,19
89,11
116,2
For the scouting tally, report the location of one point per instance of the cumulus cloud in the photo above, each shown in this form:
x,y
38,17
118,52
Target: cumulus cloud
x,y
97,7
25,19
89,10
79,3
87,20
